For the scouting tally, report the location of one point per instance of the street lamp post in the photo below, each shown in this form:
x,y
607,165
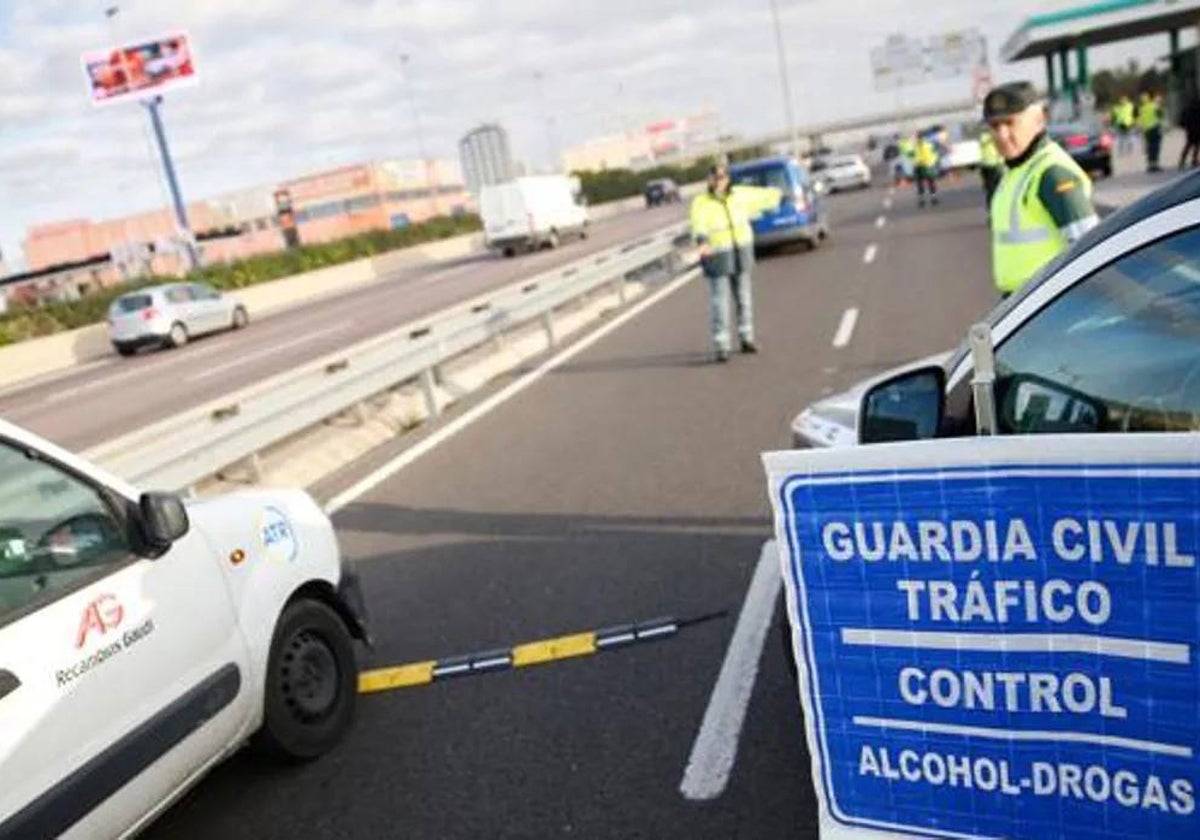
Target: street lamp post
x,y
551,145
781,54
416,116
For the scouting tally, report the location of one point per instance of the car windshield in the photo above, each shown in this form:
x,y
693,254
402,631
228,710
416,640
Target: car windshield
x,y
846,160
132,303
763,176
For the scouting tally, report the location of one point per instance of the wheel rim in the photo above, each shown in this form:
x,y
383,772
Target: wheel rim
x,y
308,677
178,336
239,318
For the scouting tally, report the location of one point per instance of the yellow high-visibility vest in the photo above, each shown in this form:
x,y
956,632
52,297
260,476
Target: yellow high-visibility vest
x,y
724,224
1024,235
989,155
927,155
1149,114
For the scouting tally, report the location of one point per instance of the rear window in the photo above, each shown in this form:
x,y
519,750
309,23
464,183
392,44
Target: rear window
x,y
132,303
766,176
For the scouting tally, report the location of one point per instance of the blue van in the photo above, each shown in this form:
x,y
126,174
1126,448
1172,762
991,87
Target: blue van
x,y
800,218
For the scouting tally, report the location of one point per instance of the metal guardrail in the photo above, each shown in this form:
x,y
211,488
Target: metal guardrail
x,y
180,451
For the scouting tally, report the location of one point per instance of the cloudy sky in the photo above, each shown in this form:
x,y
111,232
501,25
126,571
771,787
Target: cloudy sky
x,y
289,86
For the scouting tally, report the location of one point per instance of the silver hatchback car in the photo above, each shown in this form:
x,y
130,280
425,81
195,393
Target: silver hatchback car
x,y
171,315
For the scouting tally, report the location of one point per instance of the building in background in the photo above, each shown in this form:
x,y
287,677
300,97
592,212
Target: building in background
x,y
486,157
657,141
69,259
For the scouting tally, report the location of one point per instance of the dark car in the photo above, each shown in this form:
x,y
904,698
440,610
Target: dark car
x,y
1088,143
661,191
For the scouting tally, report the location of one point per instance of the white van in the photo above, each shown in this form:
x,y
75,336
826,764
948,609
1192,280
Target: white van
x,y
532,212
144,638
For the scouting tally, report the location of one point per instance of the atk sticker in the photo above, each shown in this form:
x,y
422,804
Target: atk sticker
x,y
278,537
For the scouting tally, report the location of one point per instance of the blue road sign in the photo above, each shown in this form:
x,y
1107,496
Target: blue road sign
x,y
1006,651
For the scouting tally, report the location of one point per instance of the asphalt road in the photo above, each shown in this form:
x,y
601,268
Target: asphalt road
x,y
624,485
102,400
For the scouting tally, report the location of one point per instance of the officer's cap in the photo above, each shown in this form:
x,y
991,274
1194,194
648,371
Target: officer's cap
x,y
1009,99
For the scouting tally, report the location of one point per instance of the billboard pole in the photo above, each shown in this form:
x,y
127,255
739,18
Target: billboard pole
x,y
153,106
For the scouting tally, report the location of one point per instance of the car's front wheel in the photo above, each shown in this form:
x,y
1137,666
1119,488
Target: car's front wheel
x,y
312,684
240,318
178,336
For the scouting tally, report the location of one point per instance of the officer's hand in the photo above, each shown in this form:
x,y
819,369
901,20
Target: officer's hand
x,y
705,249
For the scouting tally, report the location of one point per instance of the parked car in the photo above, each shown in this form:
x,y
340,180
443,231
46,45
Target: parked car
x,y
143,639
171,315
964,154
842,172
1088,143
661,191
1105,339
800,216
530,213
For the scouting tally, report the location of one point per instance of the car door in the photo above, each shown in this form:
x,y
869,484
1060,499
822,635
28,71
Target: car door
x,y
119,675
1117,351
184,308
215,311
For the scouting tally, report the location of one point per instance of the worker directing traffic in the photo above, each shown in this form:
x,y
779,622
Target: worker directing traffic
x,y
720,219
1044,200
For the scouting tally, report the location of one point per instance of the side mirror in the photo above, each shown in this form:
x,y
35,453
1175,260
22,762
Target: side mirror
x,y
163,520
908,406
1035,405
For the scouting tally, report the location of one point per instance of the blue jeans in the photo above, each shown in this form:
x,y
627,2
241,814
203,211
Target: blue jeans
x,y
718,308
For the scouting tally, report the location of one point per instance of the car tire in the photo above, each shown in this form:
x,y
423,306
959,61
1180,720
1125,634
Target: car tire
x,y
583,231
509,253
125,349
178,336
240,318
1106,171
552,240
311,684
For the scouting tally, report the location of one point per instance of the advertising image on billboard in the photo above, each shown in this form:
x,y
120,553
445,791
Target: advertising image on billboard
x,y
139,70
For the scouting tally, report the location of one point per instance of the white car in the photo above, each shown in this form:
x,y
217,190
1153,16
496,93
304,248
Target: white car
x,y
144,639
1105,339
842,172
171,315
964,154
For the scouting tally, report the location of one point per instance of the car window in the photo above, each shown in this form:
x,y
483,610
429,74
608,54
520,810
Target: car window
x,y
57,533
131,303
1118,352
200,292
179,294
767,176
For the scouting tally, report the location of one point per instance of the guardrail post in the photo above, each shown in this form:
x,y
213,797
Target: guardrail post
x,y
619,288
548,326
429,388
254,465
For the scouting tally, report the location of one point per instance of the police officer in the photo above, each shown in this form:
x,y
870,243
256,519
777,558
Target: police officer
x,y
1121,118
1044,201
927,169
720,219
1150,121
991,166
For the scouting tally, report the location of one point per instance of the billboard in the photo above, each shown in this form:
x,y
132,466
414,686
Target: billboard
x,y
139,70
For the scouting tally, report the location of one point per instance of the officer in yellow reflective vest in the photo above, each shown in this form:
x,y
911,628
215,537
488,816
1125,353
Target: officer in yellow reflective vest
x,y
991,166
720,219
1121,116
1044,200
927,159
1150,121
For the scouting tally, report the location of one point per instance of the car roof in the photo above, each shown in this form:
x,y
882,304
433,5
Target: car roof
x,y
761,163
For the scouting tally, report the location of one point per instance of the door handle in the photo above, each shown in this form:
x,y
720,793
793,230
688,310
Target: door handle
x,y
8,682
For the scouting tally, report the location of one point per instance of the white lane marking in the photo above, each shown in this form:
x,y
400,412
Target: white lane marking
x,y
274,349
408,456
1056,736
1139,649
716,746
845,330
869,254
887,203
880,221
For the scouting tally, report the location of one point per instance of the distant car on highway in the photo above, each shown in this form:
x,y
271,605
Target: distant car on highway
x,y
1106,338
1088,143
799,217
145,639
530,213
661,191
170,316
842,172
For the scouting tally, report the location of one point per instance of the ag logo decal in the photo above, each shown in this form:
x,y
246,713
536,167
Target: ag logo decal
x,y
100,616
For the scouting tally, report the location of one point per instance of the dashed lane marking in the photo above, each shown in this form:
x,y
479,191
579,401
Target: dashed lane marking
x,y
869,254
845,330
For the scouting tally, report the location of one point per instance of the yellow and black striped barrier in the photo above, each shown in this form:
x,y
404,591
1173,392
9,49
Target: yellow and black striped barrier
x,y
537,652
